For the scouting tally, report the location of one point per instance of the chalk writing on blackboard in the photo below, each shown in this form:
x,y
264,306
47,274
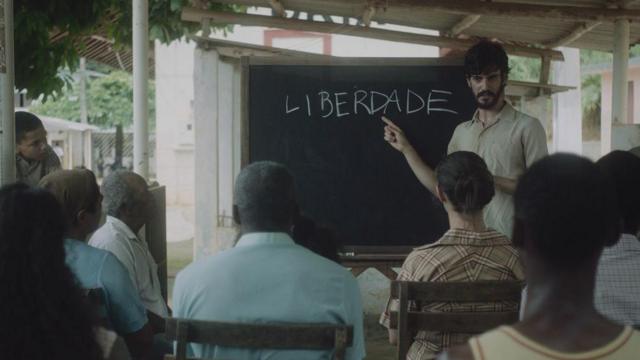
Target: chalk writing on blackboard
x,y
338,104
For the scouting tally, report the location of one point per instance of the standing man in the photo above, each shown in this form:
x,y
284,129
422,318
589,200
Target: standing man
x,y
34,157
507,140
127,202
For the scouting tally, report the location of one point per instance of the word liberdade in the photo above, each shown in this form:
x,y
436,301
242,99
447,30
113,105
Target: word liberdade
x,y
341,104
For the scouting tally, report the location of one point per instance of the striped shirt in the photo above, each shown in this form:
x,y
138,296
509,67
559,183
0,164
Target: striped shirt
x,y
459,256
617,294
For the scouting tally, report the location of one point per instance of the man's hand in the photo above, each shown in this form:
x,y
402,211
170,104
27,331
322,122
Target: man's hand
x,y
395,137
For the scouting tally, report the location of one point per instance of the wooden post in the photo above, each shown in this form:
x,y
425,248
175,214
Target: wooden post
x,y
140,87
7,120
619,93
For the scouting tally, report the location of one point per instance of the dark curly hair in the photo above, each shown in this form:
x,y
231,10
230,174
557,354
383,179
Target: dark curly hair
x,y
43,314
565,210
486,56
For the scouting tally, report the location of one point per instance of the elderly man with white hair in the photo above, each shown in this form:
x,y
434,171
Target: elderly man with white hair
x,y
127,203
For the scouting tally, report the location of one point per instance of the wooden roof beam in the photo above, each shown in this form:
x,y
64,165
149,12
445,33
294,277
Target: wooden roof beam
x,y
224,17
574,35
464,24
475,7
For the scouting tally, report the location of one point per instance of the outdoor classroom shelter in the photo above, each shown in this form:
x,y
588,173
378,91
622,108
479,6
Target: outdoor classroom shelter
x,y
533,29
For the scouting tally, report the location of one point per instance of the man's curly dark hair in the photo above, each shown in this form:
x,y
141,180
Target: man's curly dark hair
x,y
43,313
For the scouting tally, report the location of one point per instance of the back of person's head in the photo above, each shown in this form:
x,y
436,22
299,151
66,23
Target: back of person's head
x,y
624,169
466,181
76,190
264,197
565,211
42,310
485,57
26,122
124,190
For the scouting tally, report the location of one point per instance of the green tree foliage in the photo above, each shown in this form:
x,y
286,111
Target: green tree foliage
x,y
38,59
524,68
109,101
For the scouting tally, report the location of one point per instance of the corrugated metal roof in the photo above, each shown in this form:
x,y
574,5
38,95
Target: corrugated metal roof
x,y
103,50
534,31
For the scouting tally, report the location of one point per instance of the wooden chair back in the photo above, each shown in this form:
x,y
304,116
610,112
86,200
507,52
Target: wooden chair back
x,y
258,336
408,322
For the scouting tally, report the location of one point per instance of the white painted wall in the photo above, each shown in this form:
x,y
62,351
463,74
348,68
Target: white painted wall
x,y
174,117
567,110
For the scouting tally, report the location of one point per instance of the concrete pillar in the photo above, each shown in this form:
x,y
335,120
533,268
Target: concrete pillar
x,y
567,108
7,120
205,111
88,149
619,93
140,87
225,142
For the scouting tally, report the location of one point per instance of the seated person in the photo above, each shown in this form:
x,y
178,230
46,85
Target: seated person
x,y
468,251
34,157
266,277
79,195
127,202
565,213
617,294
49,316
319,239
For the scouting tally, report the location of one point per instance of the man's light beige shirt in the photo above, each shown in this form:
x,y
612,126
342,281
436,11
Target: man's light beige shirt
x,y
509,145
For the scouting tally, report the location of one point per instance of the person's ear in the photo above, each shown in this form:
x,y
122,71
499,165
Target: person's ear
x,y
441,195
236,215
81,217
469,82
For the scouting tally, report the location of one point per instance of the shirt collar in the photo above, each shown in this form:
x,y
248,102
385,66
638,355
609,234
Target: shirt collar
x,y
121,227
265,238
506,112
629,241
456,237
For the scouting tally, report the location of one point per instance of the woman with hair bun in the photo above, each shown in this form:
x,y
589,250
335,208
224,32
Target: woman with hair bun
x,y
468,251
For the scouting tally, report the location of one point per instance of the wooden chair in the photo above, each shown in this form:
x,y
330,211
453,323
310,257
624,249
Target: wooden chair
x,y
258,336
408,322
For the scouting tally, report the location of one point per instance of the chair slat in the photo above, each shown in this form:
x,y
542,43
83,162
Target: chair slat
x,y
477,291
271,336
473,323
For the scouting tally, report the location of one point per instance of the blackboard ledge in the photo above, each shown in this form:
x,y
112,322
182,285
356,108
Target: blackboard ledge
x,y
375,251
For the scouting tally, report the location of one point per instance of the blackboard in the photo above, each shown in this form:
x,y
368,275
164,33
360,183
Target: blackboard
x,y
322,120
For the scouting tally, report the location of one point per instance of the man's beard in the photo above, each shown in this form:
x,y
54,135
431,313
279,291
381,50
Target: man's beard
x,y
492,102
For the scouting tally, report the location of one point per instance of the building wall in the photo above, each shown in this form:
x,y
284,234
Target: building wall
x,y
607,89
174,120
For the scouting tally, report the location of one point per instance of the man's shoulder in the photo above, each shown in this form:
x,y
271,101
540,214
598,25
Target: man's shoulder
x,y
525,119
107,237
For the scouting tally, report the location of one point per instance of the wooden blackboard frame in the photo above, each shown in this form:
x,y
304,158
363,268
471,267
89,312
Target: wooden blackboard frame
x,y
394,254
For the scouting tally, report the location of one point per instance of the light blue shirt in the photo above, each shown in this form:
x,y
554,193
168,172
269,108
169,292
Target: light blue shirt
x,y
267,278
96,268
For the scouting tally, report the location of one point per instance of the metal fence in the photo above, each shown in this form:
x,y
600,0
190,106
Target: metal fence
x,y
104,152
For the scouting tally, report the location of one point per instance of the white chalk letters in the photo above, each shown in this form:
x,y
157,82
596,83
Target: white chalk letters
x,y
340,104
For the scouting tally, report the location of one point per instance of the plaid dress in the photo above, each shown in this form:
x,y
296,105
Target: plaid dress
x,y
459,256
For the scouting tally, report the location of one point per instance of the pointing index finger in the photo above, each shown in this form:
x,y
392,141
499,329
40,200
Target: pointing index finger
x,y
390,123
